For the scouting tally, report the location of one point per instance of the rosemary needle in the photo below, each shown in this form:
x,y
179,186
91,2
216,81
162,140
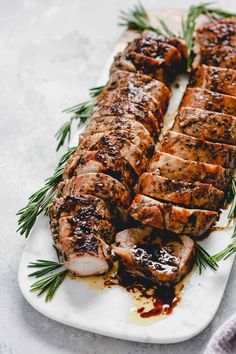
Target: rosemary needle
x,y
231,248
204,260
42,198
81,112
50,283
45,267
137,19
225,253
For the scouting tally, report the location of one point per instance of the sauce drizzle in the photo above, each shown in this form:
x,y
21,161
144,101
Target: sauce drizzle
x,y
151,299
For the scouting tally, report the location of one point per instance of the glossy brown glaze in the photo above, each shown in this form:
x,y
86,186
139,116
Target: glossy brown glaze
x,y
212,126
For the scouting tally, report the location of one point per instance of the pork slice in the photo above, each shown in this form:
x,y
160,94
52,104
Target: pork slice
x,y
101,162
190,171
221,80
166,216
162,259
198,149
222,32
154,88
211,101
117,145
113,124
152,55
171,52
131,95
120,133
219,56
193,195
102,186
213,126
82,228
130,111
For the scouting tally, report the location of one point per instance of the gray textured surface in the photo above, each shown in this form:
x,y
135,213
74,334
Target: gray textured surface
x,y
51,52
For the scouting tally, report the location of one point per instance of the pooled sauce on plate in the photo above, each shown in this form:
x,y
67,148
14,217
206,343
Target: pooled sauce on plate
x,y
150,300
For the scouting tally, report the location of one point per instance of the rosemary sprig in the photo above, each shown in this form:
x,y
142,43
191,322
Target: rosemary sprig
x,y
44,266
42,198
168,32
50,283
226,252
137,19
204,260
188,26
95,91
81,112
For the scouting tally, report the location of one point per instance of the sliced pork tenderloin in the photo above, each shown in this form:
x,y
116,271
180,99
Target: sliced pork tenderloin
x,y
102,186
166,216
221,80
198,149
222,32
121,134
109,124
154,55
192,195
154,88
117,145
82,228
162,259
211,101
102,161
179,169
130,111
213,126
129,96
218,56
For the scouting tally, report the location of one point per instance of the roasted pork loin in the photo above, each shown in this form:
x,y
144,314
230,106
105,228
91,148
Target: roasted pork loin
x,y
82,229
189,172
211,101
215,79
145,253
179,169
122,79
198,149
222,32
153,55
166,216
99,185
180,187
99,177
212,126
193,195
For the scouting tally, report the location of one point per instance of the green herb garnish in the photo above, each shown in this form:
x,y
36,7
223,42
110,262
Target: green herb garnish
x,y
42,198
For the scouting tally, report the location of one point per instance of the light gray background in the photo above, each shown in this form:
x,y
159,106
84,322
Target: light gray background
x,y
52,51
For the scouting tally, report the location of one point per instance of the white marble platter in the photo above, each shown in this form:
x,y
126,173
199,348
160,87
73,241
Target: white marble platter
x,y
107,311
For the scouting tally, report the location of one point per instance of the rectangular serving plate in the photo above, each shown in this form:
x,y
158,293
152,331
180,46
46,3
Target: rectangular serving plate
x,y
108,311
